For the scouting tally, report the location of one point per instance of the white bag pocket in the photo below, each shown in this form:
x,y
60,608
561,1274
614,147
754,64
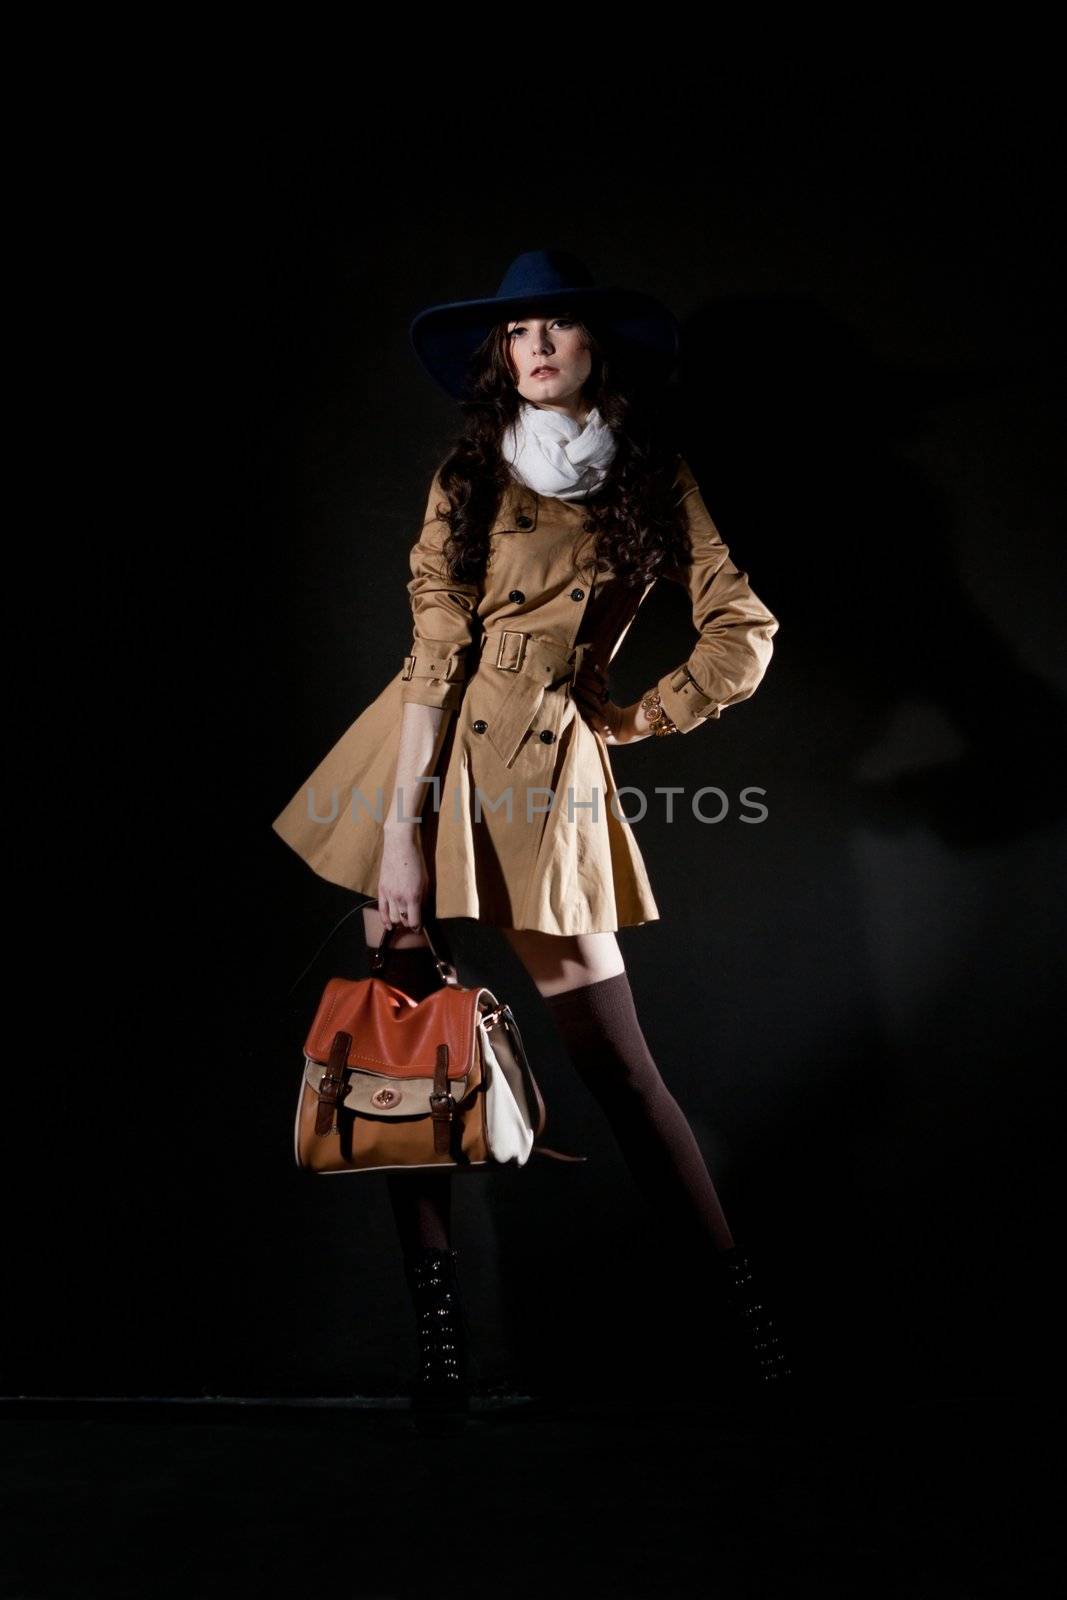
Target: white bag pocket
x,y
509,1134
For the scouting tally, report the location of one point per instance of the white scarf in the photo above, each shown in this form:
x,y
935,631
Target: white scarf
x,y
554,455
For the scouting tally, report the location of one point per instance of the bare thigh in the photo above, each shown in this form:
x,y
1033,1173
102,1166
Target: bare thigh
x,y
556,962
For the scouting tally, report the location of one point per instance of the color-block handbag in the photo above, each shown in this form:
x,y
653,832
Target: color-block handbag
x,y
389,1082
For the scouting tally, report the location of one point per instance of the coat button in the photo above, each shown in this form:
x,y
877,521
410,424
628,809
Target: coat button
x,y
546,736
524,522
577,594
479,726
517,596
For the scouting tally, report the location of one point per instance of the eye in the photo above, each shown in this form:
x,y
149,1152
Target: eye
x,y
564,322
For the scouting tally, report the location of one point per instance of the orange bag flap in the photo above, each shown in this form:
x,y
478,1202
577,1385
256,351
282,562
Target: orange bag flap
x,y
390,1032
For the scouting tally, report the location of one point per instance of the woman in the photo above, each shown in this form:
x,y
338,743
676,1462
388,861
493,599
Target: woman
x,y
559,506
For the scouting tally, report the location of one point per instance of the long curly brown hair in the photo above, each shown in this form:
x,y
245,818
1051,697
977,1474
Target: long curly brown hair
x,y
636,527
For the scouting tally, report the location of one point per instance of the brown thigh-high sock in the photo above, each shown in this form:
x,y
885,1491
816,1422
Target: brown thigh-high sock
x,y
599,1026
421,1201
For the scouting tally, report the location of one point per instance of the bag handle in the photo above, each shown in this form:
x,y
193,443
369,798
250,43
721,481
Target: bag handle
x,y
377,956
298,980
445,968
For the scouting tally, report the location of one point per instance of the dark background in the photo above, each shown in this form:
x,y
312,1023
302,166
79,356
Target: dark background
x,y
857,1003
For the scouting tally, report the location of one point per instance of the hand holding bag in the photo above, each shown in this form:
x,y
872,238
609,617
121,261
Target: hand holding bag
x,y
390,1083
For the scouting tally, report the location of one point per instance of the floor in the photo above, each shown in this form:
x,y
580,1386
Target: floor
x,y
529,1497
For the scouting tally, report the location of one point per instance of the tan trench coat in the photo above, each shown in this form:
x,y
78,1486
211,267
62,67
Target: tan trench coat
x,y
519,825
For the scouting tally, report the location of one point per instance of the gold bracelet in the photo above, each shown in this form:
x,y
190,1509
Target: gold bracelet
x,y
658,720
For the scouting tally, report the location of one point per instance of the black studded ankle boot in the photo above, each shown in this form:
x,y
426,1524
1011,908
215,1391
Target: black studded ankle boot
x,y
754,1332
442,1381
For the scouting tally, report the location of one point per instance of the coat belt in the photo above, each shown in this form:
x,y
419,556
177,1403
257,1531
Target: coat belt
x,y
536,664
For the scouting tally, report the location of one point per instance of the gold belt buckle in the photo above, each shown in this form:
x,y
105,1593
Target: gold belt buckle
x,y
500,662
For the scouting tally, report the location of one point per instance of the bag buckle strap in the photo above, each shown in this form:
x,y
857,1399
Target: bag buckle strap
x,y
332,1085
442,1104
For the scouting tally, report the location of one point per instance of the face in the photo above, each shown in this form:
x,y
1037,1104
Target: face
x,y
549,360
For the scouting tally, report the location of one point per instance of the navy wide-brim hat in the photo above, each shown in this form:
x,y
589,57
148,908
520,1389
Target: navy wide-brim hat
x,y
445,337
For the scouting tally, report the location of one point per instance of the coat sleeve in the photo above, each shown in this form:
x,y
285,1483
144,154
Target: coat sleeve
x,y
444,614
735,627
